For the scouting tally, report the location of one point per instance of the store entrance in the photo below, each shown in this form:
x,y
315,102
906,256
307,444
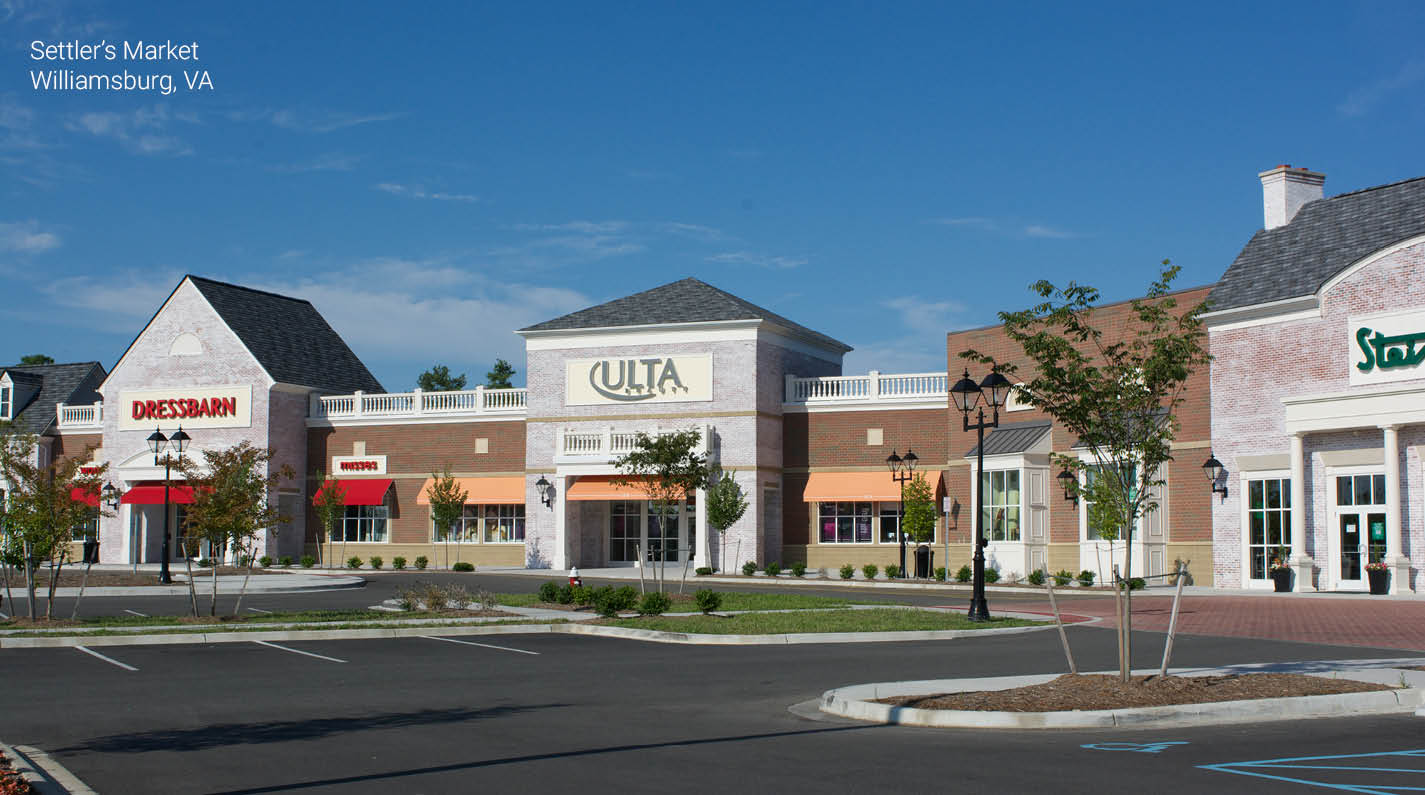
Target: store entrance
x,y
1358,531
636,529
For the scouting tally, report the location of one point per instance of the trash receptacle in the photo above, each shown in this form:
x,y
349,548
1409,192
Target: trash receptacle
x,y
924,559
91,551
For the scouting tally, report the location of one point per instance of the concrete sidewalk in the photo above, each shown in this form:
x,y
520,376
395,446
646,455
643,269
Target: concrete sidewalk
x,y
280,581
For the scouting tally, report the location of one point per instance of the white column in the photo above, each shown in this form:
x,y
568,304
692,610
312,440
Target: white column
x,y
1394,548
560,558
1300,561
705,534
873,388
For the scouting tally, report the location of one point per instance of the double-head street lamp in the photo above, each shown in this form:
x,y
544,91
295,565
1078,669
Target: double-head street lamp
x,y
159,443
902,469
968,396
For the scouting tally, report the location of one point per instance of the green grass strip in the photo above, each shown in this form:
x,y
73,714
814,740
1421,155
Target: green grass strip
x,y
886,620
731,600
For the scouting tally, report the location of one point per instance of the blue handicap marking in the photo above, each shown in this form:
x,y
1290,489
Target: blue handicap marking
x,y
1142,748
1376,773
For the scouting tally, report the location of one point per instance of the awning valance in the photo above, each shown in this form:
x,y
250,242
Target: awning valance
x,y
864,486
153,495
482,491
363,491
603,487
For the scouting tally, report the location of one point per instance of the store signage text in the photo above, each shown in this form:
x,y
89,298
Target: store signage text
x,y
1389,352
359,465
639,379
181,408
1387,347
192,407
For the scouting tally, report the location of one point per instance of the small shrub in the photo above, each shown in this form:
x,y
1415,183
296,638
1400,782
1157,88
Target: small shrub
x,y
893,571
462,565
870,570
773,569
605,602
398,562
799,569
991,575
205,563
286,561
940,573
848,571
353,562
1085,578
583,595
307,561
626,597
654,604
964,574
549,592
377,562
422,562
458,597
243,561
703,571
566,595
708,600
1063,577
486,600
1134,584
749,568
265,561
1036,577
434,596
409,598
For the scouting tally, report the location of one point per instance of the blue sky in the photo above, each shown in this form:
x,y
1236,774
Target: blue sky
x,y
434,177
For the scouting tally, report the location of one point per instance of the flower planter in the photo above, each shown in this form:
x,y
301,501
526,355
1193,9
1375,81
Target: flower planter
x,y
1380,581
1281,580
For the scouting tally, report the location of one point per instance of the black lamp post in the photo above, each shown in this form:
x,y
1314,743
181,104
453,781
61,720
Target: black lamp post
x,y
967,394
1213,469
902,469
158,443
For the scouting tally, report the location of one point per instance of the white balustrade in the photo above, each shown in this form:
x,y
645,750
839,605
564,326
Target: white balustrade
x,y
397,405
873,387
90,416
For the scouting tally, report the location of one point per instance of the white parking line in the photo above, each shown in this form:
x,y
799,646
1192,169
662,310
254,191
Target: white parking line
x,y
4,617
298,651
109,660
481,645
260,610
137,613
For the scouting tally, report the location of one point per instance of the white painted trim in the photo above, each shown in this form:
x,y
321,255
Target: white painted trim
x,y
1245,524
1261,314
1357,408
1305,314
665,334
802,408
1367,261
327,422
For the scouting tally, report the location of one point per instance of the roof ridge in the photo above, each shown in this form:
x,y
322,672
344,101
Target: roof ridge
x,y
55,364
1374,188
197,278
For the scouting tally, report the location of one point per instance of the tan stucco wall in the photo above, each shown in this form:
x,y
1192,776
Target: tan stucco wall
x,y
477,554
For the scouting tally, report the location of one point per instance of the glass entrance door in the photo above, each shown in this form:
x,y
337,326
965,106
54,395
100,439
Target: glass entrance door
x,y
1349,574
637,529
1358,536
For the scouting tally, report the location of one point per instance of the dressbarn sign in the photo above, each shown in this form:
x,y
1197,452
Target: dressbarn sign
x,y
638,379
196,407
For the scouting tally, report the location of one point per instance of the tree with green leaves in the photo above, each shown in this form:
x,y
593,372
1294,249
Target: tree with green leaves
x,y
40,513
328,506
667,468
1116,388
439,379
35,359
447,505
726,503
918,510
499,376
231,506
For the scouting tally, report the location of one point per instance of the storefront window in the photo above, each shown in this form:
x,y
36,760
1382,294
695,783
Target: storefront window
x,y
1092,473
1001,509
504,524
89,529
364,523
890,522
1268,523
1357,491
845,522
624,535
465,530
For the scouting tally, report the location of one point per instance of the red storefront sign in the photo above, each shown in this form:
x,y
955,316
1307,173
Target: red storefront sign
x,y
183,408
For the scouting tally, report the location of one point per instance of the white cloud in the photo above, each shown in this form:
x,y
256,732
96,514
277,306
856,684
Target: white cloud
x,y
130,298
142,130
332,161
913,354
26,237
925,317
583,227
756,258
1365,98
1005,226
971,221
1040,230
419,192
310,121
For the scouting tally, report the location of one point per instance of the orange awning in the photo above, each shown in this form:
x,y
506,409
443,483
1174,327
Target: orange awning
x,y
864,486
602,487
483,491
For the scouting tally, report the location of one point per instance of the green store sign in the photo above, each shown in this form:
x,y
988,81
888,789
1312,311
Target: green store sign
x,y
1388,353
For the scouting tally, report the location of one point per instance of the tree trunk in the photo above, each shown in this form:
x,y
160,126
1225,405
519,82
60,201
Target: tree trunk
x,y
1128,606
29,563
251,560
53,584
9,595
82,585
192,589
213,603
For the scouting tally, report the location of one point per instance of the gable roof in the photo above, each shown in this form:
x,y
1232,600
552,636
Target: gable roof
x,y
73,384
1324,238
685,301
1015,437
288,337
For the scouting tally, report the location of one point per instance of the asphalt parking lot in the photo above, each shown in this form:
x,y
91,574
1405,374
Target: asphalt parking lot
x,y
540,713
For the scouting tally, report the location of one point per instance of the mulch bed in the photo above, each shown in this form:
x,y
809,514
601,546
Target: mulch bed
x,y
12,783
1101,691
18,622
73,576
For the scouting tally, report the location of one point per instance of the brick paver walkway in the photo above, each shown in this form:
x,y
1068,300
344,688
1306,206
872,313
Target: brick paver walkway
x,y
1379,623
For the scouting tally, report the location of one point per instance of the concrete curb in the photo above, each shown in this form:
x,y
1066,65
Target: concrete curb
x,y
330,582
859,702
50,777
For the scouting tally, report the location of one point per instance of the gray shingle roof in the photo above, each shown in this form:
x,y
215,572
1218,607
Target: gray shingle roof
x,y
289,338
74,384
1012,437
686,301
1325,237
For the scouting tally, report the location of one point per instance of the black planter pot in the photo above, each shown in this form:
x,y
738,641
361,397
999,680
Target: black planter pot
x,y
1380,581
1281,579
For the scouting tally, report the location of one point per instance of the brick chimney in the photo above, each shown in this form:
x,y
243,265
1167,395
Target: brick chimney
x,y
1285,190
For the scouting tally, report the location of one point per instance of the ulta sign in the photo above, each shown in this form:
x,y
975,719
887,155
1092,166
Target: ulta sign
x,y
639,379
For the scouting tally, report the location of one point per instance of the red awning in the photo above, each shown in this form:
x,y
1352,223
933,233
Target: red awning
x,y
153,495
86,496
365,491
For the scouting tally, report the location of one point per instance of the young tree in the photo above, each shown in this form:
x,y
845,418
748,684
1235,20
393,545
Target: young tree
x,y
1117,390
230,504
447,505
41,513
439,379
329,506
667,468
726,504
34,359
499,376
918,512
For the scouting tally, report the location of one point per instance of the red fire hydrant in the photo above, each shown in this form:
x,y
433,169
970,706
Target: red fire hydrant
x,y
574,578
